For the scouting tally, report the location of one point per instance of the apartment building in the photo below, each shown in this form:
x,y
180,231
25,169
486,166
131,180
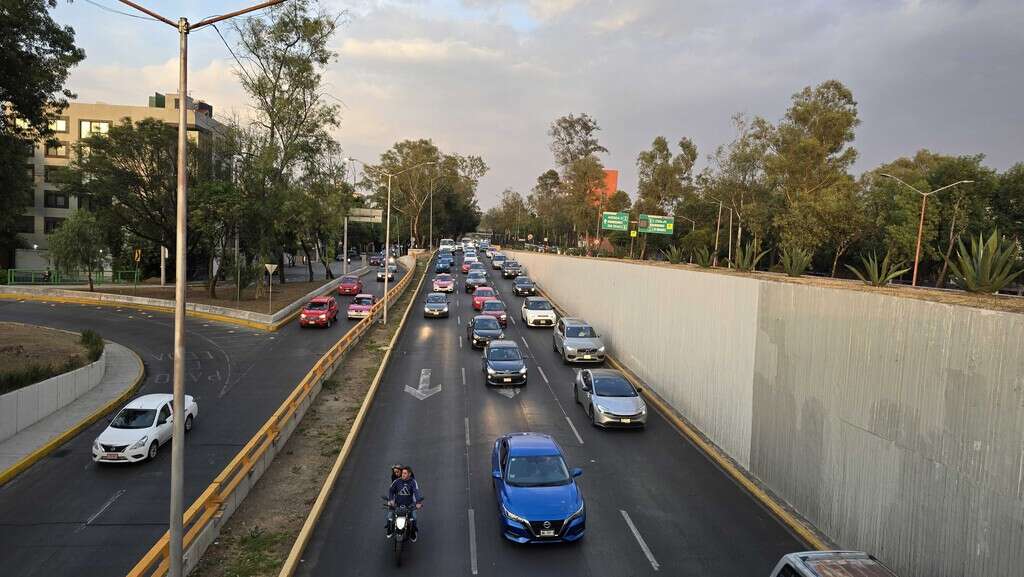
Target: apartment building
x,y
81,120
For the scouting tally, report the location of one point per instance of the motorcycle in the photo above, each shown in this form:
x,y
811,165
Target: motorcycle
x,y
400,525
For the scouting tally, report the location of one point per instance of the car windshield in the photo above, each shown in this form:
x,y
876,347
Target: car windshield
x,y
443,277
134,419
362,301
537,471
511,264
436,299
539,306
316,307
349,280
494,306
523,280
392,267
583,332
613,387
504,354
476,265
487,324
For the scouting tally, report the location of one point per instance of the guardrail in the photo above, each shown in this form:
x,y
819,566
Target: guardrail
x,y
51,277
216,504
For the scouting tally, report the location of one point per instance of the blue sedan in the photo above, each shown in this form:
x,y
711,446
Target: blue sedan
x,y
442,265
538,499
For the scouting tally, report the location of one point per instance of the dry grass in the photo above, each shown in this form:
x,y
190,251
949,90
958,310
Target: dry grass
x,y
25,345
283,296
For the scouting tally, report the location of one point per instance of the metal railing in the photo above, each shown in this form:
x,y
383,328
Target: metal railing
x,y
55,277
208,505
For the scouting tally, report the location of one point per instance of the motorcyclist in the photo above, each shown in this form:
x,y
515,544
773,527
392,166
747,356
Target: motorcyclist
x,y
406,491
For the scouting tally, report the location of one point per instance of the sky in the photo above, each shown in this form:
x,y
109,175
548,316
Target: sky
x,y
487,77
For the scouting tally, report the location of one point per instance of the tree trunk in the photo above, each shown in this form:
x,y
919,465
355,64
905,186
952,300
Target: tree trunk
x,y
91,289
309,259
211,282
280,266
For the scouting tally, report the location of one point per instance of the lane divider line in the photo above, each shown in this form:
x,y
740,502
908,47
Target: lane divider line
x,y
640,540
542,375
574,431
467,430
472,542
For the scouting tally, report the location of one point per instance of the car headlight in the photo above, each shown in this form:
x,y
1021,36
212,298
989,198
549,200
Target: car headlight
x,y
96,445
512,516
323,316
426,309
600,349
569,349
501,336
601,409
303,315
522,371
576,514
643,408
138,444
490,371
503,316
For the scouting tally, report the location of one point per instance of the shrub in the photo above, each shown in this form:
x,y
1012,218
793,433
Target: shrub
x,y
703,257
93,343
674,254
878,274
987,267
747,256
795,261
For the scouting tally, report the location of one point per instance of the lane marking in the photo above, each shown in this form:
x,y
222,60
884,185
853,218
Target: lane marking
x,y
513,319
460,342
574,431
542,375
472,542
459,317
640,540
524,342
463,376
102,510
467,431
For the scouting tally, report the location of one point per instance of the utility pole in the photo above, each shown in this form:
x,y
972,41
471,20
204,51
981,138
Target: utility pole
x,y
177,509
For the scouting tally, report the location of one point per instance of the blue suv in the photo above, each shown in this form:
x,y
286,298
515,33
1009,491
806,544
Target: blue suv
x,y
538,499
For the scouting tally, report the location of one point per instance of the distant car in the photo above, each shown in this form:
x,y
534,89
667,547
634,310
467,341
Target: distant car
x,y
361,306
138,430
466,261
475,280
376,259
538,499
510,269
389,271
503,364
446,244
443,283
435,305
497,260
442,265
481,294
538,312
524,287
830,563
609,399
319,312
497,309
489,253
577,341
478,266
481,330
350,285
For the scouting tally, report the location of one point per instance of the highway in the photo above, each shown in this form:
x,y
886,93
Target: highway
x,y
654,502
68,516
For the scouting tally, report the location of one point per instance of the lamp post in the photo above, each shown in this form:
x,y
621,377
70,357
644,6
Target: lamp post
x,y
920,224
387,226
718,228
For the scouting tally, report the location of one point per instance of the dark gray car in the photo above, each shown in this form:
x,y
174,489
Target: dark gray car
x,y
482,329
503,364
435,305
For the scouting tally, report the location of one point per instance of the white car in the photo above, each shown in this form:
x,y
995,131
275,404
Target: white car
x,y
138,430
537,312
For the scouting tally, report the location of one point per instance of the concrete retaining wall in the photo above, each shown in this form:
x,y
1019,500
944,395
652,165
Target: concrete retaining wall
x,y
26,406
894,425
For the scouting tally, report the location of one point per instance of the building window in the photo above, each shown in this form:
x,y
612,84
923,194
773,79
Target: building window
x,y
30,170
51,224
91,127
177,104
55,199
27,224
50,174
59,124
58,151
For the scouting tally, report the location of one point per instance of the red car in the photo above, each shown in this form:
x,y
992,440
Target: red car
x,y
493,307
481,294
444,283
466,262
361,306
319,312
350,285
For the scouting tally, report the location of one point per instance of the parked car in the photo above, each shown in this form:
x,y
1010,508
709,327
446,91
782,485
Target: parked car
x,y
481,329
577,341
350,285
137,431
497,309
537,312
319,312
830,564
609,399
523,286
510,269
389,271
481,294
361,306
503,364
497,260
475,280
443,283
538,499
435,305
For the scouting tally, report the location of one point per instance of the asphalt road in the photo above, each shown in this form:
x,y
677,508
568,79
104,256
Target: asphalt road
x,y
68,516
691,517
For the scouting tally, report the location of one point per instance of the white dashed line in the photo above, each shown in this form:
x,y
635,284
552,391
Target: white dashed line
x,y
524,342
542,375
463,376
574,431
472,542
640,540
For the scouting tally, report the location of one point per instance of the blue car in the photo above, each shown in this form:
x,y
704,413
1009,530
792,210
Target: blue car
x,y
538,499
443,265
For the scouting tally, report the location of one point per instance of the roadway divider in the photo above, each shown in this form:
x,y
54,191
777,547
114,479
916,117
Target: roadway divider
x,y
203,520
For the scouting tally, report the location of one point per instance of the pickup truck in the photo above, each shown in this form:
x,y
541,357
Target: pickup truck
x,y
830,564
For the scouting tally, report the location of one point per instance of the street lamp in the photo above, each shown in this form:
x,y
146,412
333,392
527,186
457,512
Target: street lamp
x,y
387,227
718,228
920,224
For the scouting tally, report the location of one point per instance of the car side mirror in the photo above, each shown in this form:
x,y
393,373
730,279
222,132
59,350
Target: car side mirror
x,y
576,472
169,420
496,473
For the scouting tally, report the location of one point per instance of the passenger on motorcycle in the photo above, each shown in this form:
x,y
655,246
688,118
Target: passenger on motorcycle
x,y
406,491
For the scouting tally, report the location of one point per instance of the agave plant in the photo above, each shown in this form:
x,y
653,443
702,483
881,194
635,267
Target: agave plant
x,y
987,267
795,261
703,257
674,254
747,256
878,274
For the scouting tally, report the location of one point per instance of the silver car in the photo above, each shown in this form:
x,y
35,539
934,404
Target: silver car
x,y
609,399
577,341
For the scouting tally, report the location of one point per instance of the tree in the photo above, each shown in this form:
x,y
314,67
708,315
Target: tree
x,y
663,178
574,138
1008,202
76,245
36,55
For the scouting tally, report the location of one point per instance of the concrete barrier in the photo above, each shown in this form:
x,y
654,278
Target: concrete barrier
x,y
27,406
894,425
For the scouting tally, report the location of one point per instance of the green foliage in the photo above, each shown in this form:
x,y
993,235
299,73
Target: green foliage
x,y
256,554
674,254
93,343
878,274
747,256
76,245
703,257
795,261
988,266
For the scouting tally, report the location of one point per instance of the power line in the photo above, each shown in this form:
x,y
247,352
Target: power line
x,y
115,11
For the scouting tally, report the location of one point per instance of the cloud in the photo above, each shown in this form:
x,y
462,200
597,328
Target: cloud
x,y
416,50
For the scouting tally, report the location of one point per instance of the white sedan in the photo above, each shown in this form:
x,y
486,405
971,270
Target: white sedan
x,y
138,430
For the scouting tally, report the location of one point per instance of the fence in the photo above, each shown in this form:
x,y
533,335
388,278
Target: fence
x,y
36,276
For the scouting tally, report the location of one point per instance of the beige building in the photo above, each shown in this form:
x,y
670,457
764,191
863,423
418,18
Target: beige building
x,y
81,120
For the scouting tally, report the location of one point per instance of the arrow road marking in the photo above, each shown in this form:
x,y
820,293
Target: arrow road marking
x,y
424,391
510,393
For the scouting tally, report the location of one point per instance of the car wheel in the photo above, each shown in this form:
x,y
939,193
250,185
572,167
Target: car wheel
x,y
565,359
575,394
188,423
554,345
154,447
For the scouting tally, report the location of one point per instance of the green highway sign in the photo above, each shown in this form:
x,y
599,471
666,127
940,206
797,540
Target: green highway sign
x,y
615,221
653,224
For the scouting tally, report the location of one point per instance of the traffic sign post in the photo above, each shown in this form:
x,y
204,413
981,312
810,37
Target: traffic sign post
x,y
615,221
137,255
374,215
653,224
270,287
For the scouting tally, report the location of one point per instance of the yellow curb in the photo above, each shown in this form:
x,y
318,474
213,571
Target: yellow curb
x,y
726,464
291,563
69,434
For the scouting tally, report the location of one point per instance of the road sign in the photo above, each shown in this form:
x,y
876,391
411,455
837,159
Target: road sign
x,y
653,224
271,267
138,254
632,233
529,237
366,215
615,221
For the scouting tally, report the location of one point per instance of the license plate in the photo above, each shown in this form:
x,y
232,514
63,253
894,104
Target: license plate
x,y
547,532
112,456
627,421
507,380
587,357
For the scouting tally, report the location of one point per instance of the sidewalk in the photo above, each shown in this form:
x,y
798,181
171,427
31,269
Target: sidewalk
x,y
124,373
